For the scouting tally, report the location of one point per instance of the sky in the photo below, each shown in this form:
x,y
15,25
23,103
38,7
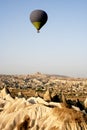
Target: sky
x,y
60,47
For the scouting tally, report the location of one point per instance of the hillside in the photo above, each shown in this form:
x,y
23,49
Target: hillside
x,y
37,114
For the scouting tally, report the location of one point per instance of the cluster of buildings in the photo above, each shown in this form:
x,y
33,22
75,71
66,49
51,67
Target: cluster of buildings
x,y
42,82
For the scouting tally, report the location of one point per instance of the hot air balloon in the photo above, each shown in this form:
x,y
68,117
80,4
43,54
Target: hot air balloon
x,y
38,18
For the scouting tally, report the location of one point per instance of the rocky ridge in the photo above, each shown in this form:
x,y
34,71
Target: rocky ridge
x,y
36,114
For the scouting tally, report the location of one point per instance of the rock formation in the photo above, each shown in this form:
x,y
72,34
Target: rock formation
x,y
37,114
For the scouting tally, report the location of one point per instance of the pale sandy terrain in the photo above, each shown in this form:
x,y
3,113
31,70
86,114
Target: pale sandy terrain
x,y
37,114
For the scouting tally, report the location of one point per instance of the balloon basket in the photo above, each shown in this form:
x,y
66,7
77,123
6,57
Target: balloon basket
x,y
38,31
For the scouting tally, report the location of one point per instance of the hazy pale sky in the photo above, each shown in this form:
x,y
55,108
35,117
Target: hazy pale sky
x,y
60,47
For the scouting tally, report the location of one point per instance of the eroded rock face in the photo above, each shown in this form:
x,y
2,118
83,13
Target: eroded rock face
x,y
85,103
37,114
47,96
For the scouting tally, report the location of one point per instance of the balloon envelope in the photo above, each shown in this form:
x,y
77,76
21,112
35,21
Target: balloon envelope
x,y
38,18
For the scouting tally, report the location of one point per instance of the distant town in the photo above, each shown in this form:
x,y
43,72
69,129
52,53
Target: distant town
x,y
40,83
